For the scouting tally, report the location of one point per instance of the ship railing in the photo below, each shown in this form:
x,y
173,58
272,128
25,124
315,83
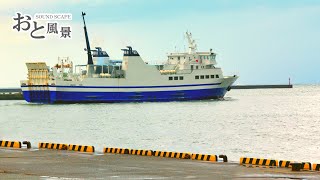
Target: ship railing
x,y
105,75
167,71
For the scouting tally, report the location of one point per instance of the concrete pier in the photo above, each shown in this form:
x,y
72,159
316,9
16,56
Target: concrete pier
x,y
53,164
11,94
11,97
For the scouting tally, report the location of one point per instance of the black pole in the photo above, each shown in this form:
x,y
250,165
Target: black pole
x,y
87,40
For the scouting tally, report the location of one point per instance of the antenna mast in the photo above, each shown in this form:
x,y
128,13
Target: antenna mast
x,y
87,40
192,43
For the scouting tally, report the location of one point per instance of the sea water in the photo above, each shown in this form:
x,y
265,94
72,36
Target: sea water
x,y
263,123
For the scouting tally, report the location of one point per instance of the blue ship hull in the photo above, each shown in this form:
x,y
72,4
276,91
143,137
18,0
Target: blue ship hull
x,y
112,97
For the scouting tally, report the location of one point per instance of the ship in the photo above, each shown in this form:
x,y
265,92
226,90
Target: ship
x,y
184,76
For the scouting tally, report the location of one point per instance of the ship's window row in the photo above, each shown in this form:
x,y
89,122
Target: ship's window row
x,y
175,78
202,57
211,57
206,76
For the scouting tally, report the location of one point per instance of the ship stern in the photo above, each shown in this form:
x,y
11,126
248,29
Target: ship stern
x,y
36,88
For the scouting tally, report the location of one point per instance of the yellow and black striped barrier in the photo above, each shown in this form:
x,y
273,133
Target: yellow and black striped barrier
x,y
116,150
141,152
285,164
257,161
172,154
81,148
316,167
11,144
44,145
306,166
204,157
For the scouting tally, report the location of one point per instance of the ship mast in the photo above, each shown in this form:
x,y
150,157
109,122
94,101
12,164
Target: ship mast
x,y
192,43
90,62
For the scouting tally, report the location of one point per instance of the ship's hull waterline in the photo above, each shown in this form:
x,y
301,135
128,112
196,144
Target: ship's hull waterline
x,y
87,94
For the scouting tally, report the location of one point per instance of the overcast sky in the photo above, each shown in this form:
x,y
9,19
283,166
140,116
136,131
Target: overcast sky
x,y
264,42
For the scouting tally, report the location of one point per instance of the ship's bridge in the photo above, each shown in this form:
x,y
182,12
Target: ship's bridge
x,y
203,58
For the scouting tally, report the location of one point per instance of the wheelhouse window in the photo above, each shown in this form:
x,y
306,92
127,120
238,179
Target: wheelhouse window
x,y
170,78
176,78
212,76
217,76
202,77
180,77
207,76
196,77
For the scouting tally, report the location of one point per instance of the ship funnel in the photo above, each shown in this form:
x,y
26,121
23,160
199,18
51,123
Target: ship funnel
x,y
90,62
130,52
100,57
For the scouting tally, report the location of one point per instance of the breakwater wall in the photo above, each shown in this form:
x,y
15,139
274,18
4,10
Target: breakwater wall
x,y
262,86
